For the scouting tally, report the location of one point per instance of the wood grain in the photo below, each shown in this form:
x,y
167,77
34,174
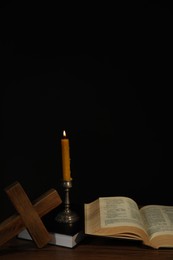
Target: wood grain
x,y
90,248
15,224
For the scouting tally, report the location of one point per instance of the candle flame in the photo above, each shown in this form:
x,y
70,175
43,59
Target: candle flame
x,y
64,133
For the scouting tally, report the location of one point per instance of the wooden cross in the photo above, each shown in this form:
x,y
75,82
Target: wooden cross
x,y
29,216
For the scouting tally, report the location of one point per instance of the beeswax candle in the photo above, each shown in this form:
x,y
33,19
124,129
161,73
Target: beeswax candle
x,y
65,158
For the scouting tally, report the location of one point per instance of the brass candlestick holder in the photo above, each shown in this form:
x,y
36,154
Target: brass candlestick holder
x,y
67,215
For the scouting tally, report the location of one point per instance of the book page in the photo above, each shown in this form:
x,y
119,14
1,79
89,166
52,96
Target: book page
x,y
118,211
157,219
92,217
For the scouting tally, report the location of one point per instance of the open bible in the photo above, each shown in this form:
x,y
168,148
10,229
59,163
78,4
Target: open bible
x,y
120,217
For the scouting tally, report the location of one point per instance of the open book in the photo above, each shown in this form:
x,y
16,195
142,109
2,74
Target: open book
x,y
120,217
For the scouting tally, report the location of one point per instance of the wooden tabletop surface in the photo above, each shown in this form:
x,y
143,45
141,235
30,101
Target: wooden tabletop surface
x,y
92,248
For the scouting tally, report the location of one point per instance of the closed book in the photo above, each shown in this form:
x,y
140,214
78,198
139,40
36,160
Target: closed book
x,y
62,234
58,238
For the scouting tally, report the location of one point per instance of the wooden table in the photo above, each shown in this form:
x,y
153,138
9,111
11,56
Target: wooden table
x,y
92,248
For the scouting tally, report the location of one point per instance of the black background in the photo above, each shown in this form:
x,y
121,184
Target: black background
x,y
105,79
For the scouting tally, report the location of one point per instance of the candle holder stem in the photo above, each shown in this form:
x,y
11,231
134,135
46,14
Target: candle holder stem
x,y
67,215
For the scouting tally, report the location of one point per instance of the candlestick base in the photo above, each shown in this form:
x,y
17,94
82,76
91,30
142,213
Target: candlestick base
x,y
67,215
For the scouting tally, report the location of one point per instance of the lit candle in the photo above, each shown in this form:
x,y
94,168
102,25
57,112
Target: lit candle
x,y
65,158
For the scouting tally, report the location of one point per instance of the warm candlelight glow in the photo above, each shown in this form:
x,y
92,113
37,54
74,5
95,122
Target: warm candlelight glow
x,y
64,133
65,157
